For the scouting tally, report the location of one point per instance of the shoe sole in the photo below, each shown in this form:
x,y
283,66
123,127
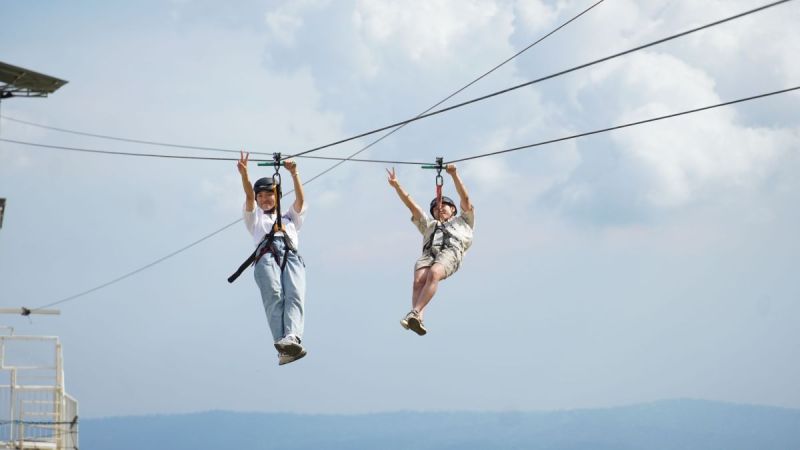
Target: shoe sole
x,y
416,326
292,358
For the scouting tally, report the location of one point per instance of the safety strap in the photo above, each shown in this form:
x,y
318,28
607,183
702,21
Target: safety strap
x,y
250,259
439,183
266,242
265,246
268,248
446,236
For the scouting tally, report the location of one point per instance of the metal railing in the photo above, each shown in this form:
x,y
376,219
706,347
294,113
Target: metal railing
x,y
35,410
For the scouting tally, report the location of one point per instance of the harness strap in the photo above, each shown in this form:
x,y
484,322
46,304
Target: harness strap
x,y
255,256
250,259
446,236
438,197
285,258
268,248
263,248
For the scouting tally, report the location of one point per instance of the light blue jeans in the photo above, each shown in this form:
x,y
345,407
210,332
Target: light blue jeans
x,y
283,294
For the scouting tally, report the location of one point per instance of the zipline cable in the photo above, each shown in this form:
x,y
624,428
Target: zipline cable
x,y
630,124
482,155
538,80
111,152
201,158
574,136
117,138
185,146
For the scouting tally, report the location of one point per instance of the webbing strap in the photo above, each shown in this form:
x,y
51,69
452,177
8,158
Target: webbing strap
x,y
446,235
276,189
265,243
242,268
285,258
439,198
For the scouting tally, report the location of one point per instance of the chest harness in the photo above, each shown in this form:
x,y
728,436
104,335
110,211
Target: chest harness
x,y
446,242
267,244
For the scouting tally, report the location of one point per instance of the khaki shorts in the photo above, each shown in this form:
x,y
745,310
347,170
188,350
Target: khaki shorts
x,y
448,258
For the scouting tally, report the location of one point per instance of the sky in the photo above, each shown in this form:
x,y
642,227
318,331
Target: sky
x,y
648,263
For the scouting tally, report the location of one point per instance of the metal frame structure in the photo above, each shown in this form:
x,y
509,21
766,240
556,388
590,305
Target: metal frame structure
x,y
35,410
20,82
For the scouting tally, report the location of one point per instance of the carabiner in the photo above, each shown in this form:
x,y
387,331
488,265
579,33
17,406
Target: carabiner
x,y
439,167
276,177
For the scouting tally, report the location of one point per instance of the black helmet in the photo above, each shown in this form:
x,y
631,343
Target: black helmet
x,y
445,201
263,184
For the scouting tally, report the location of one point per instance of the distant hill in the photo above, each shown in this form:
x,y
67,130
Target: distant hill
x,y
665,425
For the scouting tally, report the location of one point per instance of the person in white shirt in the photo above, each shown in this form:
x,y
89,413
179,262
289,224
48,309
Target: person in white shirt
x,y
446,237
279,270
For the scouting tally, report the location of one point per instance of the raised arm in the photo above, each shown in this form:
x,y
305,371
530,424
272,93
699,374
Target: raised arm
x,y
416,211
299,194
249,194
466,205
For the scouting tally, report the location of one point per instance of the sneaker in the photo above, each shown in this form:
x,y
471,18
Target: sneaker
x,y
289,345
415,324
284,358
404,320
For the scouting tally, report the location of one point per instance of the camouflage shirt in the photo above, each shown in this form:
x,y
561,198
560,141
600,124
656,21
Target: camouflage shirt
x,y
456,233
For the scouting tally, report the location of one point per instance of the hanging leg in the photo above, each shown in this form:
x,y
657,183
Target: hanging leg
x,y
294,294
434,274
268,278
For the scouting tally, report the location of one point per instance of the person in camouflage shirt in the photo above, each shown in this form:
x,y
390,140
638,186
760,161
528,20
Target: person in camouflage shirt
x,y
446,237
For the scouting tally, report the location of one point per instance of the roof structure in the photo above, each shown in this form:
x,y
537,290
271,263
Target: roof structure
x,y
19,82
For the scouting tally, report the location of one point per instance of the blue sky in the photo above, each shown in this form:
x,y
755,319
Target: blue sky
x,y
648,263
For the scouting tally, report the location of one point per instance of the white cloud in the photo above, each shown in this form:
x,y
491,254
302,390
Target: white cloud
x,y
283,25
684,158
284,21
764,43
427,31
537,15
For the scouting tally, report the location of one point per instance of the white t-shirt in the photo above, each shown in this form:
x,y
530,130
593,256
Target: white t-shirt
x,y
259,223
459,227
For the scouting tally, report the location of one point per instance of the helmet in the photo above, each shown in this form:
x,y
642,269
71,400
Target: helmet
x,y
445,201
263,184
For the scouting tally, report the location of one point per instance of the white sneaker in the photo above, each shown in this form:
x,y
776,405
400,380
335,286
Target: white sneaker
x,y
404,320
289,345
284,358
415,324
